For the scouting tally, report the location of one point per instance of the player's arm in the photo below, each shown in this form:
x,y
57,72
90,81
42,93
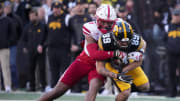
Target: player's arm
x,y
92,48
100,67
135,58
139,51
142,46
132,65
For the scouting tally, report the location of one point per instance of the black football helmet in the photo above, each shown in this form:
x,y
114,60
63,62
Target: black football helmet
x,y
122,33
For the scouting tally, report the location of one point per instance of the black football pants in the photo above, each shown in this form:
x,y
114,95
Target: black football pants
x,y
59,60
173,61
36,59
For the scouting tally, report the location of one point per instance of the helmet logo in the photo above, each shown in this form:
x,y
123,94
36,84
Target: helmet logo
x,y
120,28
115,30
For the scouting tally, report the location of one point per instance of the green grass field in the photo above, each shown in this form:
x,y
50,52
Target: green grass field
x,y
24,96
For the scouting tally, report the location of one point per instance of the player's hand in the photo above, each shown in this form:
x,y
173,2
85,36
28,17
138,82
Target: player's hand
x,y
124,78
136,56
40,49
25,50
74,48
120,54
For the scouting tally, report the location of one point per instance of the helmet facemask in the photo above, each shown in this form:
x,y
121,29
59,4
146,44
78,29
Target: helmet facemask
x,y
105,18
123,43
122,34
105,26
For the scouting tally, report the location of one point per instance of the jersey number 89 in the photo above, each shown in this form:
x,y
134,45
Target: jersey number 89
x,y
135,40
106,38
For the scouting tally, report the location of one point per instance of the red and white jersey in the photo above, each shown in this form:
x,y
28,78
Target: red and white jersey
x,y
92,30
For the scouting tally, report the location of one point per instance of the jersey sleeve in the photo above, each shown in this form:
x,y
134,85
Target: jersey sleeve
x,y
89,28
142,46
106,42
85,29
137,44
92,49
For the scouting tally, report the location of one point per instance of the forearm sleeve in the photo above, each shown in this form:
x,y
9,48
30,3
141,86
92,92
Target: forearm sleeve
x,y
98,54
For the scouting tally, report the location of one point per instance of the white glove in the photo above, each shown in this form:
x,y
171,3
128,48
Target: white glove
x,y
121,55
136,56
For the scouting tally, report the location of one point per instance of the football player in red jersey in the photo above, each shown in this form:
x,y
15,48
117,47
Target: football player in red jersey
x,y
84,64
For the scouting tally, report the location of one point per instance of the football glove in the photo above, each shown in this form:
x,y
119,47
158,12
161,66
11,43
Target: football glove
x,y
124,78
135,56
120,54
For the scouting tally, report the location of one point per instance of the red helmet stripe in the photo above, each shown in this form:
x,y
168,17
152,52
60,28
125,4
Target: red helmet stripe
x,y
108,11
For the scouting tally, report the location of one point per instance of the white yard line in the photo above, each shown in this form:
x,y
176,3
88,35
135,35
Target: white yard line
x,y
17,100
31,100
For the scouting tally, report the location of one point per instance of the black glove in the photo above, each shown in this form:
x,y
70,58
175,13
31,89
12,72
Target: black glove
x,y
124,78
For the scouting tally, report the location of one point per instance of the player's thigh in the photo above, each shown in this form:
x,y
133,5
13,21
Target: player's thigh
x,y
75,72
139,77
95,84
60,88
122,86
144,87
93,74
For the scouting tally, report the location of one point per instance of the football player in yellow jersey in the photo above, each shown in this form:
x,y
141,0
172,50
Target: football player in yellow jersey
x,y
122,70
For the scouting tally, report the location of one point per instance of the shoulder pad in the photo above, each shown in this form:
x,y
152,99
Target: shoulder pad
x,y
86,29
135,43
89,27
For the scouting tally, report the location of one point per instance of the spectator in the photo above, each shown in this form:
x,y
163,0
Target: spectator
x,y
16,4
24,8
76,22
92,10
98,2
173,51
6,31
47,9
161,13
8,10
33,39
59,41
71,4
123,13
41,15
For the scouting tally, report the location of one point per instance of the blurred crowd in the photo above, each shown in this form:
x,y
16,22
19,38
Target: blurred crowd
x,y
40,38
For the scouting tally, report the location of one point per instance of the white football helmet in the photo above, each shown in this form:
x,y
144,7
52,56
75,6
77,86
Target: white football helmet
x,y
105,17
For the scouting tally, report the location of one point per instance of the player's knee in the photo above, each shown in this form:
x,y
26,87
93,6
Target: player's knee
x,y
126,93
145,87
123,96
60,89
95,84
